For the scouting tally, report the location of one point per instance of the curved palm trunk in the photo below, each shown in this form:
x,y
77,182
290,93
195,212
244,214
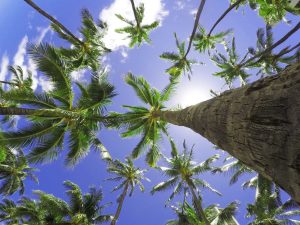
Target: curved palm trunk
x,y
198,204
53,20
258,124
223,15
121,200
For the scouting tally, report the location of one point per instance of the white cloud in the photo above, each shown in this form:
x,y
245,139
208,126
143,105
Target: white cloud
x,y
43,32
154,10
3,67
79,75
180,5
27,63
19,57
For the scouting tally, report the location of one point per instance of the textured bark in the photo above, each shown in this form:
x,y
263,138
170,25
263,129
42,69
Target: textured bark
x,y
258,124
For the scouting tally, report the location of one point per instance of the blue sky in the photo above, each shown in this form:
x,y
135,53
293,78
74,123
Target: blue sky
x,y
20,25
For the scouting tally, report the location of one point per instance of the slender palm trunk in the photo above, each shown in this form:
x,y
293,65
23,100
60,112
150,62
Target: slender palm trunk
x,y
223,15
200,9
258,124
53,20
121,200
13,111
198,204
135,13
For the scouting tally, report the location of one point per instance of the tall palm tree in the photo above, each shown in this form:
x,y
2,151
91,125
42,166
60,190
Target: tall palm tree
x,y
143,121
13,171
51,115
129,176
181,65
218,216
82,209
136,31
182,171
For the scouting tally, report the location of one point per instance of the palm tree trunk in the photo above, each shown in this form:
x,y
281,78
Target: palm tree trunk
x,y
198,204
53,20
258,124
223,15
16,111
135,13
121,200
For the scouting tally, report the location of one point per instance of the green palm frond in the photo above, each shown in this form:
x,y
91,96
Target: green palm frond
x,y
181,65
203,42
139,120
13,171
49,61
137,32
230,65
182,171
89,51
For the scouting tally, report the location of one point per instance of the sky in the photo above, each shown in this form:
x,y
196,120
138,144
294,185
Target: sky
x,y
21,25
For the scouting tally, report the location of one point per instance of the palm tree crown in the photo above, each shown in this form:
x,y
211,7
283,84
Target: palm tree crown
x,y
55,113
89,51
82,209
129,176
137,33
143,121
13,171
181,65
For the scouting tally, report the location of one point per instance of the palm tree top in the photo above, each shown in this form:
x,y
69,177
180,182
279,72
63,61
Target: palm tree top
x,y
136,31
127,173
145,121
183,171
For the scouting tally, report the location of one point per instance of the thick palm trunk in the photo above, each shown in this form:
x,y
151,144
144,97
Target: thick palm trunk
x,y
198,204
121,200
258,124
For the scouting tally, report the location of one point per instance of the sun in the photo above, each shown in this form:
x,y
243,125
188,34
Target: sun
x,y
191,95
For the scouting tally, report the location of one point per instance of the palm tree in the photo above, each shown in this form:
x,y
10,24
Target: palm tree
x,y
82,209
89,52
268,207
182,171
231,68
137,33
8,210
180,63
143,121
218,216
13,171
272,11
18,82
270,63
129,176
54,114
203,41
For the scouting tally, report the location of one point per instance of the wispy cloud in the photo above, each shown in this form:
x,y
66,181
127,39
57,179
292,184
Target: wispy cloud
x,y
154,10
19,57
3,67
27,64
